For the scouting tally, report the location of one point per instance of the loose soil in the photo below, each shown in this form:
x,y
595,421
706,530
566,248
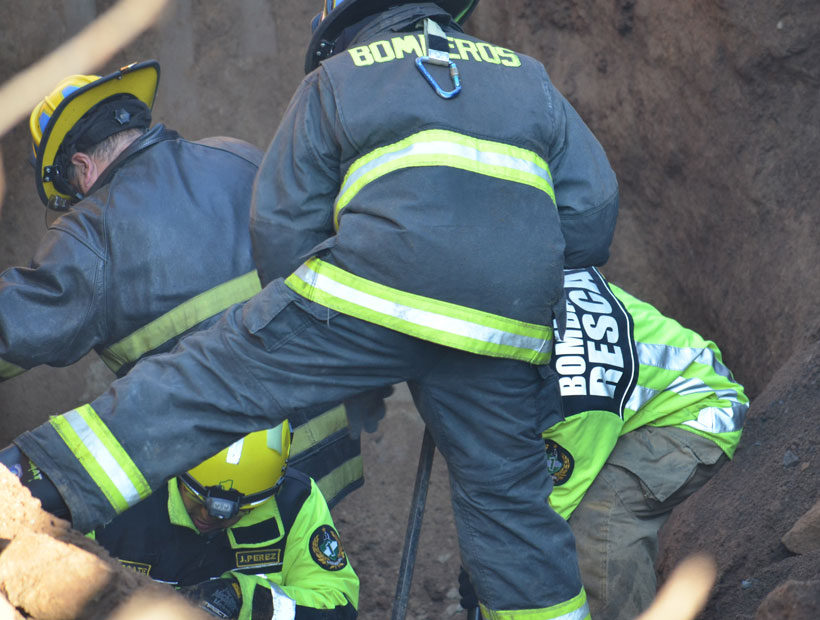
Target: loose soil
x,y
709,113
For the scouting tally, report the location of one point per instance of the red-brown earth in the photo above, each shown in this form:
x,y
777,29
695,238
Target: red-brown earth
x,y
710,114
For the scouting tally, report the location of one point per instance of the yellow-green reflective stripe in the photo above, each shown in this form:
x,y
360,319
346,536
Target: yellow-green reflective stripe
x,y
181,319
319,428
576,608
438,147
9,370
102,456
348,472
437,321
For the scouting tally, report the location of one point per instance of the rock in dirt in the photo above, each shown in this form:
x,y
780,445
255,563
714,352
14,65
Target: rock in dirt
x,y
791,600
52,580
7,610
804,536
23,513
49,571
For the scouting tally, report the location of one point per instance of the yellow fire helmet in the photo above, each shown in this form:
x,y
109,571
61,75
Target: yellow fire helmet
x,y
56,115
243,475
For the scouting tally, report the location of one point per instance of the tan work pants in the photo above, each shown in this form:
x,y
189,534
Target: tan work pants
x,y
651,470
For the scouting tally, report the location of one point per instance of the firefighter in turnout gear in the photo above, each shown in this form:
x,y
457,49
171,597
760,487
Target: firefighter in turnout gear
x,y
241,535
651,414
411,220
152,243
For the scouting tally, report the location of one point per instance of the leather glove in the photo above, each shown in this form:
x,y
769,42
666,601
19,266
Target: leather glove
x,y
469,599
221,597
366,409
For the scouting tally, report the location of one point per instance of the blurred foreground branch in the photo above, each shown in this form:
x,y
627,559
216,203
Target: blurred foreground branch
x,y
686,591
2,180
84,53
89,49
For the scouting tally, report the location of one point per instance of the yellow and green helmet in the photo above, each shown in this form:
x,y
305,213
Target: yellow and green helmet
x,y
60,117
243,475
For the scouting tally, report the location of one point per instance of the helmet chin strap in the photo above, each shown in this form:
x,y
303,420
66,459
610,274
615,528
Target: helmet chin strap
x,y
55,174
220,503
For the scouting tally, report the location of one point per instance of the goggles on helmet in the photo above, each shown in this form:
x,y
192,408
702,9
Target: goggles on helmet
x,y
242,476
220,503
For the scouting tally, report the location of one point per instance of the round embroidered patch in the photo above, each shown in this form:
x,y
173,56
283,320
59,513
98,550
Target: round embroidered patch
x,y
326,549
559,462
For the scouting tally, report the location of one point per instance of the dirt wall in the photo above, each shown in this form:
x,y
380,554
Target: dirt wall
x,y
709,112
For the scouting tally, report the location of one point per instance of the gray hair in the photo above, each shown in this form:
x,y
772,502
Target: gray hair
x,y
103,150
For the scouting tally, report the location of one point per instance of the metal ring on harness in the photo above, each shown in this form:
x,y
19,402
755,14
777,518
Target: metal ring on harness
x,y
446,94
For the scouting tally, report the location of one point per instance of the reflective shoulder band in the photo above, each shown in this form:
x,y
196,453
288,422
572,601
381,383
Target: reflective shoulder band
x,y
439,147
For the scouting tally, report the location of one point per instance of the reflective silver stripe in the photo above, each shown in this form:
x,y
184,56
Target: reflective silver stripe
x,y
235,452
710,419
720,419
639,397
103,457
284,607
688,386
578,614
422,318
679,358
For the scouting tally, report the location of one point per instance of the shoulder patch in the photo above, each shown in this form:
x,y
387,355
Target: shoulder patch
x,y
326,548
559,462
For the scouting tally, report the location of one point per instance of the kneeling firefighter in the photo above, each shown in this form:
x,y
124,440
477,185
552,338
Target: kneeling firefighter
x,y
241,535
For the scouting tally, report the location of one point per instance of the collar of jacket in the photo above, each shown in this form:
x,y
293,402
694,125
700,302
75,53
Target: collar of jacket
x,y
158,133
403,18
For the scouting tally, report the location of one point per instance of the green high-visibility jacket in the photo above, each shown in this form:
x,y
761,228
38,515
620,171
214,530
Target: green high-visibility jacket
x,y
287,545
623,365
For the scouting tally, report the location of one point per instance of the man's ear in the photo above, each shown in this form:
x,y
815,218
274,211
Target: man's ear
x,y
87,171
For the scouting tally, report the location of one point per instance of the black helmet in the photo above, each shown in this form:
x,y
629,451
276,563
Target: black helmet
x,y
337,15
